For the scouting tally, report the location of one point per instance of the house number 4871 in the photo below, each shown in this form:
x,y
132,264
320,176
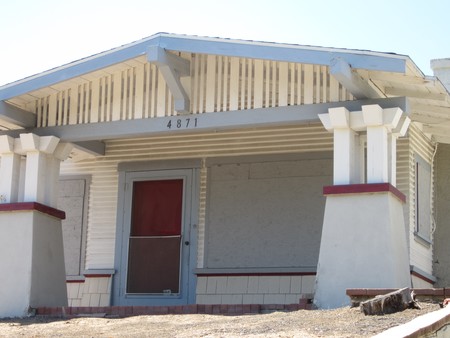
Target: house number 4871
x,y
184,123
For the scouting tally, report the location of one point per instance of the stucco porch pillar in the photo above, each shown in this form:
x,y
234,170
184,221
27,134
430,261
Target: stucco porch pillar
x,y
363,242
33,272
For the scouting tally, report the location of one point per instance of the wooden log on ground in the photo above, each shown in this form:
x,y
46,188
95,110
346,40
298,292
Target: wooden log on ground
x,y
396,301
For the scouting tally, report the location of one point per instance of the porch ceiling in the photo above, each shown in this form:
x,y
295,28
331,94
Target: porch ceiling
x,y
380,75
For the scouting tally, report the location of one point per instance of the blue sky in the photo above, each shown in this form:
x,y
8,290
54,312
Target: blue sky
x,y
39,35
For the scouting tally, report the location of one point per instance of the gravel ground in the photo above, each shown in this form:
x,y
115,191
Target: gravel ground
x,y
343,322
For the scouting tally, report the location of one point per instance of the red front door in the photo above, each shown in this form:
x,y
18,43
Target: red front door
x,y
155,237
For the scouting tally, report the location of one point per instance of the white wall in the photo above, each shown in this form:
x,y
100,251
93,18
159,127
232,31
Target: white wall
x,y
33,263
15,278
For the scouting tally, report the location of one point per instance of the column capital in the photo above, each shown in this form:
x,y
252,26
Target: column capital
x,y
402,127
339,117
31,142
6,144
62,151
372,115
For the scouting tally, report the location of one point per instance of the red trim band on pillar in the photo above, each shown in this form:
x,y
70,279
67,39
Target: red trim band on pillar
x,y
29,206
363,189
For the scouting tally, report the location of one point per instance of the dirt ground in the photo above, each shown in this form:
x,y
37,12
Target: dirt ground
x,y
344,322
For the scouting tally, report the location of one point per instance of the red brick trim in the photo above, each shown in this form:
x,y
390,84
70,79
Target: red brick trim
x,y
363,189
127,311
30,206
75,281
258,274
97,275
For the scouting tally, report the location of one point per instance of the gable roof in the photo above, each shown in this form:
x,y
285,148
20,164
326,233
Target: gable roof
x,y
360,59
381,75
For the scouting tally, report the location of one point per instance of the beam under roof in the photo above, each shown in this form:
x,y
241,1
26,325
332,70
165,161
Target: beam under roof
x,y
237,48
351,81
172,68
208,122
17,116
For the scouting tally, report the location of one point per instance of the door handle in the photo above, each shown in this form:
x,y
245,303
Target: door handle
x,y
186,243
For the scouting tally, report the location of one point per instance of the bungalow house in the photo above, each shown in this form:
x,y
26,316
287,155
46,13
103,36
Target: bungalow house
x,y
198,170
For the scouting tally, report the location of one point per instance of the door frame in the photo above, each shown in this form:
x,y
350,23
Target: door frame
x,y
157,171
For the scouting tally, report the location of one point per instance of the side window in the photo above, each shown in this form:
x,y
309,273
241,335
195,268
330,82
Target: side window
x,y
73,196
423,199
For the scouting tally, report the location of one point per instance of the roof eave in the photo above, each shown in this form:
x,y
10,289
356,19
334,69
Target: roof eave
x,y
234,48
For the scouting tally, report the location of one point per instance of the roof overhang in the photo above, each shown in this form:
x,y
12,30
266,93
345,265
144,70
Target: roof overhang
x,y
357,59
366,74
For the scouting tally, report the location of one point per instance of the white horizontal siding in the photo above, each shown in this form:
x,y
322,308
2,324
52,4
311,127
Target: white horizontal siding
x,y
403,166
403,178
421,255
104,189
202,218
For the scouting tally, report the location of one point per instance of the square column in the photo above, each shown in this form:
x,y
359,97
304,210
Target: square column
x,y
9,170
35,172
377,145
346,147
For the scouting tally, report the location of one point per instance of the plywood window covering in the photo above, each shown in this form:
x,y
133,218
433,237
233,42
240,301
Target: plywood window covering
x,y
423,199
73,199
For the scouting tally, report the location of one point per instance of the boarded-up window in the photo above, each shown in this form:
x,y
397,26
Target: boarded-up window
x,y
423,199
266,214
73,200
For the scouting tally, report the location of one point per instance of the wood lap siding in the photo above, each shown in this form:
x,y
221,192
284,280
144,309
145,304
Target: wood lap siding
x,y
104,184
217,83
103,170
421,255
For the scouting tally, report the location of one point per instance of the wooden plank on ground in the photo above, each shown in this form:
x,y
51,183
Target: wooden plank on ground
x,y
392,302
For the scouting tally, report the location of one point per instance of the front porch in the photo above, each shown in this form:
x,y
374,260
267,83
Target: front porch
x,y
239,134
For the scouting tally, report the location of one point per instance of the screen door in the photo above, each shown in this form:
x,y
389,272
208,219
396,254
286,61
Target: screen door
x,y
155,237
